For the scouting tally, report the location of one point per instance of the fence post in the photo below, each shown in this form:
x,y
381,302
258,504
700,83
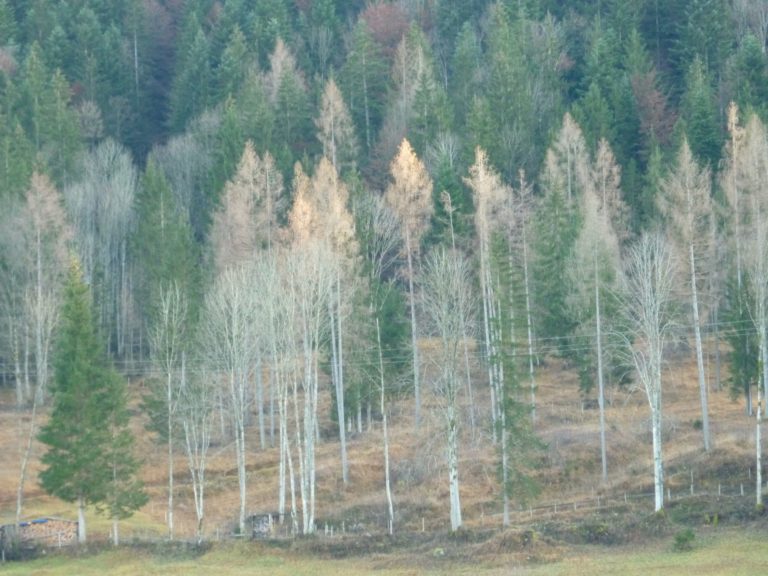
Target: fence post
x,y
742,489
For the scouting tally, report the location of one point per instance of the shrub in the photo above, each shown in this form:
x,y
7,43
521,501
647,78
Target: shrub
x,y
684,540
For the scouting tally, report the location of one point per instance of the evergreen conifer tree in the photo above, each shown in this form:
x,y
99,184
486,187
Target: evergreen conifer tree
x,y
87,434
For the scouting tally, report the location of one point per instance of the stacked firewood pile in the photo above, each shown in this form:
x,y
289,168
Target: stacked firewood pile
x,y
47,532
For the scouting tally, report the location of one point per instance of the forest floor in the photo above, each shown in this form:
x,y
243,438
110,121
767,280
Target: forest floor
x,y
577,520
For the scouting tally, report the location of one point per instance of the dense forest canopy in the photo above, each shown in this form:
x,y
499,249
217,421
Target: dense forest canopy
x,y
345,160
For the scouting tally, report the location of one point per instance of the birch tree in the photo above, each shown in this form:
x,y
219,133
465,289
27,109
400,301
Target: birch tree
x,y
448,303
647,304
44,235
686,204
167,346
47,234
310,278
410,196
593,269
100,207
195,412
229,329
490,197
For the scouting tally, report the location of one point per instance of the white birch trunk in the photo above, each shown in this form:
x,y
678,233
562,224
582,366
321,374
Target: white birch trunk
x,y
658,470
453,473
703,393
390,506
81,533
758,454
504,469
529,326
336,369
26,454
260,402
169,399
414,332
600,380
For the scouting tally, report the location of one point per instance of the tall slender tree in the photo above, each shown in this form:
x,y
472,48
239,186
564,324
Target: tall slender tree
x,y
686,203
410,196
449,304
647,304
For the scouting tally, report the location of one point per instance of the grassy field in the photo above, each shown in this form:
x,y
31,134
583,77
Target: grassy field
x,y
728,552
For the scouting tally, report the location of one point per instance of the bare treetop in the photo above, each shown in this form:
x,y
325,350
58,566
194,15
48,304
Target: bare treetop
x,y
606,179
336,131
410,193
686,201
490,194
282,62
567,162
234,229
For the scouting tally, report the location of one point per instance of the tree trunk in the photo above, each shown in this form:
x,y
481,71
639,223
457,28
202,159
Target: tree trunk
x,y
81,520
414,335
658,469
504,469
390,507
699,352
169,399
600,381
26,455
529,327
453,474
336,369
260,402
758,454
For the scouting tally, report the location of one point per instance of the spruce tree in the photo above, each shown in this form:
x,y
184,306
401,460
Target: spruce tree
x,y
87,431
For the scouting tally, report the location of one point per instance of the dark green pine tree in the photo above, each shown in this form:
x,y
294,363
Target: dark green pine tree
x,y
742,338
88,422
190,93
749,76
699,118
233,66
556,230
7,24
516,442
464,80
364,83
163,245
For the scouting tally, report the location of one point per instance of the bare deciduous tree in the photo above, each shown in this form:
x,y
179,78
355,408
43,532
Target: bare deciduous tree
x,y
448,303
647,303
491,198
410,196
195,413
593,270
101,209
567,162
335,129
167,341
229,330
687,206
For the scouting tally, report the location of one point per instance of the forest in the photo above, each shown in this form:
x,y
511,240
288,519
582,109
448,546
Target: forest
x,y
261,211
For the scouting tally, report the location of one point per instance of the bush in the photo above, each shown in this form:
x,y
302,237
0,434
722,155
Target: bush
x,y
684,540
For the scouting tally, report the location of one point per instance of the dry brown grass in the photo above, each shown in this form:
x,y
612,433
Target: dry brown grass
x,y
570,463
